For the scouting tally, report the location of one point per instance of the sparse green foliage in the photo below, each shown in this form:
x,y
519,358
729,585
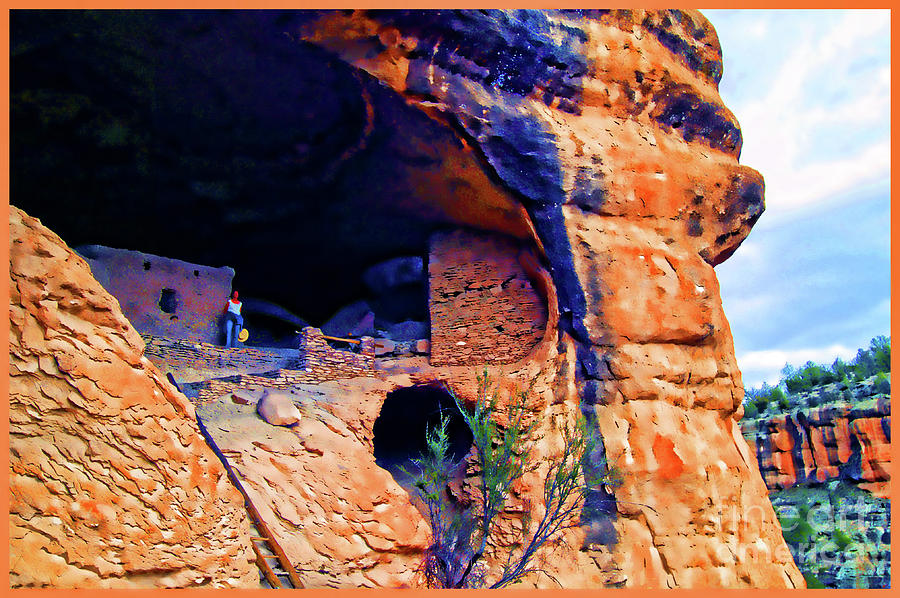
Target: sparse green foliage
x,y
777,395
840,370
880,347
882,384
796,530
807,377
750,409
812,582
460,536
868,362
828,530
841,539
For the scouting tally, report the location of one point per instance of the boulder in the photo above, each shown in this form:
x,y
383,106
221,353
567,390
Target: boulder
x,y
383,346
408,330
393,273
278,408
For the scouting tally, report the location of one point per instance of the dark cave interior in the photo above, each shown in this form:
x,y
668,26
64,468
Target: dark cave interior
x,y
399,431
216,138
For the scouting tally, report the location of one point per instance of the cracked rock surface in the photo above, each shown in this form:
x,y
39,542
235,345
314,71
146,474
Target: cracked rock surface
x,y
111,484
597,139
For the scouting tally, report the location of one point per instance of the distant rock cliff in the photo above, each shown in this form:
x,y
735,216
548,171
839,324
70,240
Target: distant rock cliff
x,y
843,440
827,466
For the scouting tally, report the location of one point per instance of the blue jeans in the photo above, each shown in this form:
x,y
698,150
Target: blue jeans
x,y
233,326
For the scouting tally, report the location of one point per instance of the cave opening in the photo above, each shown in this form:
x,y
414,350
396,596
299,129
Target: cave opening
x,y
302,186
407,413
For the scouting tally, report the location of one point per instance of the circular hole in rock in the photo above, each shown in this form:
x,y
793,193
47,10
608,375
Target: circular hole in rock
x,y
399,430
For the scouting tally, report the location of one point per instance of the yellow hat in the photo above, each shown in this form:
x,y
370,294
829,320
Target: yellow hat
x,y
244,335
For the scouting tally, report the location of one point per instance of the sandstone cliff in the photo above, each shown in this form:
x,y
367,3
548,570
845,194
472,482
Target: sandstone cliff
x,y
111,484
597,140
607,126
842,440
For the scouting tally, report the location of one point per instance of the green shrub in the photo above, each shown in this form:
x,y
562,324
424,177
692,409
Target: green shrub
x,y
454,558
882,385
868,362
751,410
880,347
796,530
841,539
812,582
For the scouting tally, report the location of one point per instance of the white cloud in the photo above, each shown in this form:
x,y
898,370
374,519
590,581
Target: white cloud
x,y
759,366
832,81
790,189
743,307
757,29
752,253
811,90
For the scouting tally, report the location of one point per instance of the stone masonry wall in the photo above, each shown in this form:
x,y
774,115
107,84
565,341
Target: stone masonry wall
x,y
322,362
316,362
190,361
483,306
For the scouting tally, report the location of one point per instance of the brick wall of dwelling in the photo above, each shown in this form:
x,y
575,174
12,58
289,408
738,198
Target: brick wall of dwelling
x,y
483,306
317,357
316,361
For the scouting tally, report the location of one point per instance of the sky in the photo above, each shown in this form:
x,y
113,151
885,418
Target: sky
x,y
811,90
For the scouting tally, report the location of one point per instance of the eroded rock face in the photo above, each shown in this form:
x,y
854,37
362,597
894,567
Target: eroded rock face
x,y
596,138
837,441
608,127
342,520
111,484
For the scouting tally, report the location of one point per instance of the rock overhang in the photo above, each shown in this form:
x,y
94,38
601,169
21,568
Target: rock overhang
x,y
232,133
218,139
631,210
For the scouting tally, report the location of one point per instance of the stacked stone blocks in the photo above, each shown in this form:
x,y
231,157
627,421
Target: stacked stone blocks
x,y
316,362
483,306
177,355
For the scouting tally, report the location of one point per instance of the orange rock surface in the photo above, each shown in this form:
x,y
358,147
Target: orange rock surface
x,y
111,484
826,443
342,520
627,184
651,203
